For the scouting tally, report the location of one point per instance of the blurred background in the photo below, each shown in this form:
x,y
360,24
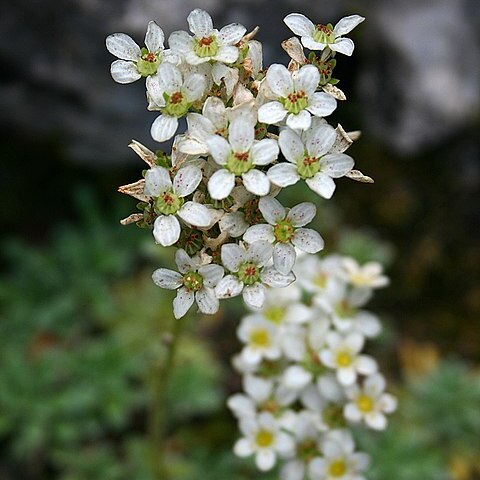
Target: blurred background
x,y
81,323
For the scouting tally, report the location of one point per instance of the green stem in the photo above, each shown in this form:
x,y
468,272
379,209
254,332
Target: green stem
x,y
161,374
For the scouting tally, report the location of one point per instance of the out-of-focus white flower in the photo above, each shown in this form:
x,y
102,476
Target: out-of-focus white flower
x,y
343,355
295,97
169,202
135,62
195,282
318,37
172,94
207,43
264,438
369,275
370,402
285,230
309,160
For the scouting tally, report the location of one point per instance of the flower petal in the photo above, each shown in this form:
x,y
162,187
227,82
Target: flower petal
x,y
241,134
296,377
259,253
164,278
272,210
321,184
260,232
322,104
302,214
347,24
169,78
307,79
200,23
207,301
336,165
154,37
221,184
243,448
227,54
283,174
256,182
123,47
279,80
157,181
219,149
300,121
187,180
211,274
271,112
195,214
254,295
228,287
320,140
273,278
124,72
284,257
299,24
291,145
194,87
308,240
343,45
232,256
366,365
265,151
166,230
231,34
184,262
234,224
164,128
182,302
265,459
180,41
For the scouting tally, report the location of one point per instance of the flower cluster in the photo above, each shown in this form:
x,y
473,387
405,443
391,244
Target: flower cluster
x,y
250,133
306,379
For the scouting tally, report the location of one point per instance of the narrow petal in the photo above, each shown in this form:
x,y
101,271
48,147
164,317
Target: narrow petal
x,y
123,47
265,151
300,121
321,184
221,184
124,72
308,240
284,257
157,181
256,182
272,210
219,149
231,34
211,274
311,44
164,128
194,87
254,295
187,180
261,232
336,165
280,80
259,253
322,104
228,287
180,41
291,145
271,112
227,54
320,140
347,24
343,45
273,278
299,24
195,214
200,23
154,92
207,301
241,134
184,262
283,174
166,230
168,279
302,214
307,79
182,302
154,37
232,256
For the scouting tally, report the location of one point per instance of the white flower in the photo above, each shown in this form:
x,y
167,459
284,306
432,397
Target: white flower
x,y
284,230
339,461
295,96
194,282
238,157
369,403
258,390
263,437
169,202
207,44
310,160
343,355
318,37
249,273
369,275
173,95
134,62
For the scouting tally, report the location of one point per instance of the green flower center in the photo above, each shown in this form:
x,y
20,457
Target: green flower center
x,y
206,46
177,104
324,34
274,314
344,310
295,102
337,468
168,203
249,273
332,415
239,163
307,450
283,231
148,63
193,281
308,166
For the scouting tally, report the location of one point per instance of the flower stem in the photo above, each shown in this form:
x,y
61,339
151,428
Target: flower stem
x,y
161,372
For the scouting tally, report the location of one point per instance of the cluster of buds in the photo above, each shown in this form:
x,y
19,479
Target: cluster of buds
x,y
305,377
250,133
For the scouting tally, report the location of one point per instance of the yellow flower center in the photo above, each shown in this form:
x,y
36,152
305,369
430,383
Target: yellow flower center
x,y
259,337
344,359
337,468
275,314
365,403
264,438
